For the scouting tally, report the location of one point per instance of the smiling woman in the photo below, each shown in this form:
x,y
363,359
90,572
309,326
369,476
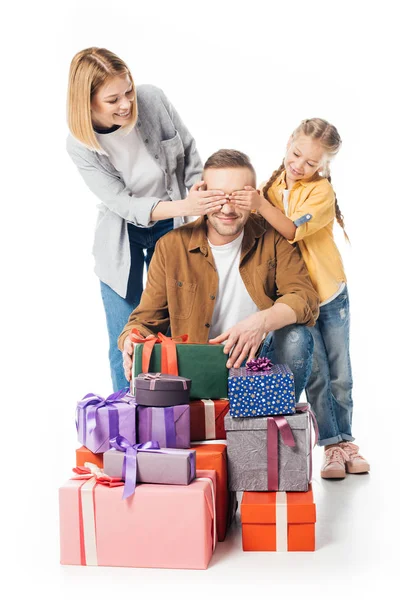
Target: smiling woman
x,y
136,155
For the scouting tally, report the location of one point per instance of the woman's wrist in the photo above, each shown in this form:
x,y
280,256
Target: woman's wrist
x,y
169,210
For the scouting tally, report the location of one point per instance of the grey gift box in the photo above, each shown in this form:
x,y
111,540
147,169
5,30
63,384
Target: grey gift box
x,y
161,389
168,465
247,454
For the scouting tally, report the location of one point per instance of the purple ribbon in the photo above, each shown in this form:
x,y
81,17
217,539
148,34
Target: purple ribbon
x,y
129,466
170,431
259,364
273,424
91,403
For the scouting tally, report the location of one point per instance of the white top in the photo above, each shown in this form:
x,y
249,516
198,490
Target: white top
x,y
336,294
128,154
286,200
233,302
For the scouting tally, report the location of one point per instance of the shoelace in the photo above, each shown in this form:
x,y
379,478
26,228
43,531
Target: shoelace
x,y
336,453
351,450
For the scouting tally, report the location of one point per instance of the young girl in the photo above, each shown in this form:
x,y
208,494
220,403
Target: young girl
x,y
299,202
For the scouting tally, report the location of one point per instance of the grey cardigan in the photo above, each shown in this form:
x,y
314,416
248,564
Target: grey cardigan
x,y
171,144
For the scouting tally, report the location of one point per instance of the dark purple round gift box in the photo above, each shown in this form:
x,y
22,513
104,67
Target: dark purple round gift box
x,y
161,389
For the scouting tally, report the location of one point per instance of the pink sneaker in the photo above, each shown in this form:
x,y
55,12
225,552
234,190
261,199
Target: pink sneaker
x,y
355,463
334,465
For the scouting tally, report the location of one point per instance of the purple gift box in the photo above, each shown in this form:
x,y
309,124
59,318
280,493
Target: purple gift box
x,y
100,419
161,389
165,465
169,426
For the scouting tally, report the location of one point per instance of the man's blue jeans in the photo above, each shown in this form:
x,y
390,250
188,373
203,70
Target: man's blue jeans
x,y
329,388
142,242
291,345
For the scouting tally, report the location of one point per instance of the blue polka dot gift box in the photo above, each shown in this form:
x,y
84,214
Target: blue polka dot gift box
x,y
261,389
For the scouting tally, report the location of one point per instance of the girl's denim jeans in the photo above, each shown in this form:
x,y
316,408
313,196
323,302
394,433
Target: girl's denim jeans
x,y
329,388
142,242
292,345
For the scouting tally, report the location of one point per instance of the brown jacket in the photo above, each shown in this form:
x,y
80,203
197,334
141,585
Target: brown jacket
x,y
182,280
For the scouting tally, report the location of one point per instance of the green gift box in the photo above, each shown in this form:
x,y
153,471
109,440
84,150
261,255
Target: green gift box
x,y
204,364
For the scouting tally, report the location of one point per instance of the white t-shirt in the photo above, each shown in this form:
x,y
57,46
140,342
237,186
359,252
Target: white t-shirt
x,y
128,154
233,302
285,197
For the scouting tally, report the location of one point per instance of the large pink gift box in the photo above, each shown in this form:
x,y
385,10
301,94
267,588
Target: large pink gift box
x,y
159,526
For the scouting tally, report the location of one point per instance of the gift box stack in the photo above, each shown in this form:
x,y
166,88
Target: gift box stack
x,y
159,465
150,486
270,458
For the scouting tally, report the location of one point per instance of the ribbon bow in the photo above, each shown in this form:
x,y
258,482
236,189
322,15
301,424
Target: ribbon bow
x,y
90,470
91,403
153,377
129,467
169,360
259,364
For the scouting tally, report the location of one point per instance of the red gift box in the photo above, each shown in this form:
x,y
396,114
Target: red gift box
x,y
207,419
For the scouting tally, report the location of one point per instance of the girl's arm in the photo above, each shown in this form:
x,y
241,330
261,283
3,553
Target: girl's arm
x,y
314,213
277,219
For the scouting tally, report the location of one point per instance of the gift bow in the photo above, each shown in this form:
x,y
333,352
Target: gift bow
x,y
91,403
169,359
129,467
259,364
153,377
90,470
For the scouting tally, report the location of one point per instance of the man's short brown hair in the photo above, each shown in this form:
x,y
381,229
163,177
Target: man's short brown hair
x,y
229,159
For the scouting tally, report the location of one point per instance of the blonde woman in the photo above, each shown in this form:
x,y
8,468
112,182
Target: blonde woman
x,y
136,155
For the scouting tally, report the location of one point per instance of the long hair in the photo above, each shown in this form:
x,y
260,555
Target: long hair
x,y
89,70
329,138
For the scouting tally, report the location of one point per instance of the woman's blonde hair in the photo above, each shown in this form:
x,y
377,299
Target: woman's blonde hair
x,y
329,138
89,70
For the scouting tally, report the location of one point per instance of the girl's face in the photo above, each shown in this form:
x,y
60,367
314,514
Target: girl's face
x,y
304,157
112,103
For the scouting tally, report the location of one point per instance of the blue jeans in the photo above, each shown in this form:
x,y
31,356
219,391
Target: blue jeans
x,y
291,345
142,241
330,385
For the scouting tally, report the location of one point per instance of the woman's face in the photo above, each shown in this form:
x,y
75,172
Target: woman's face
x,y
112,103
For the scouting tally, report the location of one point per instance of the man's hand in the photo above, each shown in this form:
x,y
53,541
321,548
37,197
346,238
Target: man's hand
x,y
247,199
127,356
243,339
201,202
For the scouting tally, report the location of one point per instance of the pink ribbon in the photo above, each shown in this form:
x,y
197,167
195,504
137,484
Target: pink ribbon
x,y
273,424
153,377
90,470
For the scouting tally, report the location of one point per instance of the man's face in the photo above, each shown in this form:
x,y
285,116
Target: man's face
x,y
227,222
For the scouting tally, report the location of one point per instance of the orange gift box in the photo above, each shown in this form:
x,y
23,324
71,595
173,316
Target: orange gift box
x,y
278,521
213,457
207,419
83,455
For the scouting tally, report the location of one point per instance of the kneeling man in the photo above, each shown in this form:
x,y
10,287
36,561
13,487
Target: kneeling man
x,y
230,277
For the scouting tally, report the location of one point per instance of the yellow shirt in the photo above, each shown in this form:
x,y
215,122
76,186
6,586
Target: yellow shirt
x,y
314,236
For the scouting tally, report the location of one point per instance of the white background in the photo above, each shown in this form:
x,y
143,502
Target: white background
x,y
242,75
